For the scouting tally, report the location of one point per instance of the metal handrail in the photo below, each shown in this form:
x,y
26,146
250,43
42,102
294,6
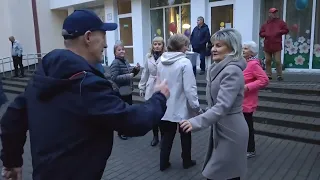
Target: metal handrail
x,y
36,57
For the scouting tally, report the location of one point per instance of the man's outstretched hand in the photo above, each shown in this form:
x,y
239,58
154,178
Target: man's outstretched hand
x,y
11,173
162,86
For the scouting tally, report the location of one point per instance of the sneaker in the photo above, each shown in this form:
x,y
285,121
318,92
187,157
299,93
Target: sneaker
x,y
279,78
251,154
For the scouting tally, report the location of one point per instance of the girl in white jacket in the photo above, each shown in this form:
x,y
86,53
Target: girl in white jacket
x,y
148,76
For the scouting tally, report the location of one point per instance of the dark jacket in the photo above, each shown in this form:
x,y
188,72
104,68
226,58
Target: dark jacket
x,y
272,32
71,121
200,37
120,70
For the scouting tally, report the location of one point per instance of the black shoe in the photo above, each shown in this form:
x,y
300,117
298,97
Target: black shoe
x,y
123,137
270,78
164,167
279,78
202,73
189,164
21,76
155,141
15,76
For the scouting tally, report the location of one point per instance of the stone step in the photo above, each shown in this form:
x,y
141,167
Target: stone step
x,y
12,83
12,89
276,87
281,125
267,95
281,132
24,79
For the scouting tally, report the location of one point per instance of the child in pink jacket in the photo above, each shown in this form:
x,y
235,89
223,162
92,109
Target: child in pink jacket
x,y
255,79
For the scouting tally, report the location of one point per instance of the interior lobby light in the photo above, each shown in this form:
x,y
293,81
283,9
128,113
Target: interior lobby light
x,y
186,26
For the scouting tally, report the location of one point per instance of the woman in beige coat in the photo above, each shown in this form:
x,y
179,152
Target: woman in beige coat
x,y
148,77
226,157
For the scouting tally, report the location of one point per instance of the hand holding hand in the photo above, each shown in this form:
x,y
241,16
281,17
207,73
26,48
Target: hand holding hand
x,y
186,126
11,173
162,86
142,94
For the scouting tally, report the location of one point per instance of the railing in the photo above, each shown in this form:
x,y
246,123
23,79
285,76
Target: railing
x,y
27,61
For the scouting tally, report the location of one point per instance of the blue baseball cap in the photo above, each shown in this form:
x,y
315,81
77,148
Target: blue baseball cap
x,y
81,21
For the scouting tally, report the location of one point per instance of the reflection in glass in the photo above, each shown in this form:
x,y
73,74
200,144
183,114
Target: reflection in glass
x,y
129,54
185,19
161,3
297,42
156,23
172,21
316,46
124,6
125,25
221,17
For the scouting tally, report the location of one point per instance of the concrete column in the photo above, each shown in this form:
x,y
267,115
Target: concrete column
x,y
111,16
246,19
70,10
140,29
199,8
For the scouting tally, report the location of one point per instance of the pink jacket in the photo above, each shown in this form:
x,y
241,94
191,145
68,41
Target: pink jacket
x,y
255,79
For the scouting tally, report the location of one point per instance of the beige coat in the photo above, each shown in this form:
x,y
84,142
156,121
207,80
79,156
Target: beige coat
x,y
226,157
148,76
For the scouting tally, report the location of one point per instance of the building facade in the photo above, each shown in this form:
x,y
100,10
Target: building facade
x,y
141,20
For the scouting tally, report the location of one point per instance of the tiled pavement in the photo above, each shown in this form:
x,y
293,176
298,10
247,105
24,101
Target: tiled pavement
x,y
135,159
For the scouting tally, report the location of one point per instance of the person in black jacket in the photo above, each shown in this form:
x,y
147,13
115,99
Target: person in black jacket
x,y
200,36
122,74
71,110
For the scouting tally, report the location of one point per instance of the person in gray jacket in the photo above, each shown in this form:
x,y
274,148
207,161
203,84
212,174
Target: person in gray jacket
x,y
183,102
122,74
226,158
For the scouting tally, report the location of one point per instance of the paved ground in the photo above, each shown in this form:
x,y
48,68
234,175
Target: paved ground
x,y
276,160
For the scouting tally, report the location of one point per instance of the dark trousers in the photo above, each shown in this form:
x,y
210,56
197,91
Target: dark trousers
x,y
155,131
168,129
202,52
237,178
127,99
195,71
251,143
17,61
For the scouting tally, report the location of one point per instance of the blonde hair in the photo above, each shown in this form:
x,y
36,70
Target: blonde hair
x,y
157,39
118,44
233,40
177,41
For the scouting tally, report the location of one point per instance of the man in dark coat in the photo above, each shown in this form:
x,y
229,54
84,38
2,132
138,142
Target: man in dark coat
x,y
272,32
200,36
71,110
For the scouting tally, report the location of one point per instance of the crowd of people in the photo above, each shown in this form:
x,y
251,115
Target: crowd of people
x,y
71,109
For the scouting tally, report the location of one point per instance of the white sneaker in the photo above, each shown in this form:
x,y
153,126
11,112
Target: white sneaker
x,y
251,154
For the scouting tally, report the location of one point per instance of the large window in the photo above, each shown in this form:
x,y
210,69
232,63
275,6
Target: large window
x,y
161,3
297,43
169,17
316,47
125,27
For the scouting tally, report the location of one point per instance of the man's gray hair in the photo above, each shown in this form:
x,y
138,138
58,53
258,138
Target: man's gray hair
x,y
200,17
233,40
252,46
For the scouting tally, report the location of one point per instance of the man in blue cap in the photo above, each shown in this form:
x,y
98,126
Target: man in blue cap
x,y
72,111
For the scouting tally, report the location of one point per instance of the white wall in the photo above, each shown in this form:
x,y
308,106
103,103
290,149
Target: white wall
x,y
6,31
140,29
50,26
112,36
58,4
244,19
199,8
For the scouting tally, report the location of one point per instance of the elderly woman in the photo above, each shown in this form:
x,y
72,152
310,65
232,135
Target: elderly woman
x,y
226,157
122,74
148,77
255,79
183,102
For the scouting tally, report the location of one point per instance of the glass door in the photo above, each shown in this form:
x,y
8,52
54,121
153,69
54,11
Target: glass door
x,y
221,15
